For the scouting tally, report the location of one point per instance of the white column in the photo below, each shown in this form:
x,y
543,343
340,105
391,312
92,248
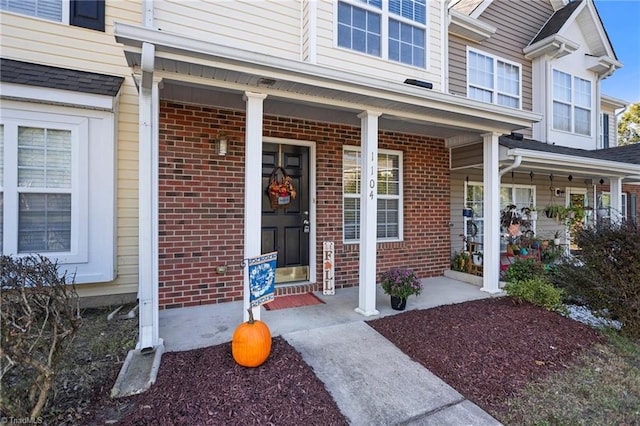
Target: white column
x,y
252,188
368,212
491,182
616,198
148,217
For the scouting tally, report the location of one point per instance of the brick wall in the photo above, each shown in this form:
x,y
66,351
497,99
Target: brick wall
x,y
201,202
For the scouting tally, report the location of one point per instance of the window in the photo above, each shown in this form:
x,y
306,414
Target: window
x,y
603,202
493,80
364,26
80,13
604,126
518,195
41,190
389,207
46,9
571,103
50,203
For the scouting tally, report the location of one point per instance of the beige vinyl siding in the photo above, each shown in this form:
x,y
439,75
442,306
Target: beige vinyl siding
x,y
545,228
466,156
268,27
55,44
328,54
517,23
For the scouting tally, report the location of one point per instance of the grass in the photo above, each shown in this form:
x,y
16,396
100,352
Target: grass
x,y
602,388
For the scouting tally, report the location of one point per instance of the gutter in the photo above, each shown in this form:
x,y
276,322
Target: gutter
x,y
515,165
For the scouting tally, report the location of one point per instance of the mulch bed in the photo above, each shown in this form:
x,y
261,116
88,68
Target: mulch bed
x,y
206,386
488,350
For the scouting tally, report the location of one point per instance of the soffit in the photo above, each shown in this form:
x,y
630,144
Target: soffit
x,y
190,63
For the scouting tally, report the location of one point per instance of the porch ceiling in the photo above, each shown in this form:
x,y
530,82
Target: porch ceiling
x,y
203,72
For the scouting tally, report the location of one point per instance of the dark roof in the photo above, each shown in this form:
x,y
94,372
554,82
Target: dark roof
x,y
557,21
622,154
31,74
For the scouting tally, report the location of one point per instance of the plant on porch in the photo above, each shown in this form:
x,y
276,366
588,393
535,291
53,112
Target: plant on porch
x,y
401,282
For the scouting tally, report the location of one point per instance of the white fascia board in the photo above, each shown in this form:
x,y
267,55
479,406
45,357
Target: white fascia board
x,y
47,95
555,45
301,72
470,28
610,167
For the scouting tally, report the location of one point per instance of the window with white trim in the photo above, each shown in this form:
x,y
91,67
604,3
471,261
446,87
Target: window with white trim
x,y
493,80
571,103
50,204
389,200
42,192
394,29
603,203
510,194
52,10
80,13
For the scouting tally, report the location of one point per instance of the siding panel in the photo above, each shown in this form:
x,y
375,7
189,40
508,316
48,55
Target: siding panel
x,y
270,27
55,44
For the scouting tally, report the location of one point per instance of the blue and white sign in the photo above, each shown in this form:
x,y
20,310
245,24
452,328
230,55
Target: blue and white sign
x,y
262,277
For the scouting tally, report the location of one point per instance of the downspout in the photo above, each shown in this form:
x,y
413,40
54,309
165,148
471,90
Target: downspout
x,y
445,46
514,165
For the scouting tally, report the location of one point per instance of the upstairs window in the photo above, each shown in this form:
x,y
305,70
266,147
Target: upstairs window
x,y
80,13
493,80
571,103
394,30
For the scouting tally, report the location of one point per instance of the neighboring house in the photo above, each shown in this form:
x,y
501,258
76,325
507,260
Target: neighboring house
x,y
68,143
368,105
547,57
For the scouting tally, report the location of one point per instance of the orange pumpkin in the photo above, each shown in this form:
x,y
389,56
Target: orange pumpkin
x,y
251,342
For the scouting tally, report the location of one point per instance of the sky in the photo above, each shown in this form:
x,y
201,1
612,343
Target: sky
x,y
621,19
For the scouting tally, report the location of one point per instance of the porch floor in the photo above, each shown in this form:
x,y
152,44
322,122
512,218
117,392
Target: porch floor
x,y
201,326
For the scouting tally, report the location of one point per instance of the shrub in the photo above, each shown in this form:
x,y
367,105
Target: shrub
x,y
522,269
537,290
400,282
38,321
460,261
606,274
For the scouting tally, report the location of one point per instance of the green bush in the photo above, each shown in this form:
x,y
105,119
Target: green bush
x,y
537,290
460,261
523,269
606,273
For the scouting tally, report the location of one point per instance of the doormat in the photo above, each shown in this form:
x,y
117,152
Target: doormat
x,y
293,301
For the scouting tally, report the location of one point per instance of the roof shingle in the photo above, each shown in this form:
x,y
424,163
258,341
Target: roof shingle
x,y
18,72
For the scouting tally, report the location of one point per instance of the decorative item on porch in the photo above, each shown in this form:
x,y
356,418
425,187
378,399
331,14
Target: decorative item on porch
x,y
280,190
251,342
400,283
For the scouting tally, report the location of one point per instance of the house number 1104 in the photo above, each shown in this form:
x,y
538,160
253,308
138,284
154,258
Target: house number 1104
x,y
372,180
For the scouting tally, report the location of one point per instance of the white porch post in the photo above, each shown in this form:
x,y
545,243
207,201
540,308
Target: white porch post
x,y
616,198
368,212
252,188
491,181
149,98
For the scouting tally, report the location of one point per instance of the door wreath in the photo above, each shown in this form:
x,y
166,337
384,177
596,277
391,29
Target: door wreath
x,y
280,190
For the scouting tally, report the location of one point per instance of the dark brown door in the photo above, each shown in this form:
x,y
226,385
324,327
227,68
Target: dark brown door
x,y
286,230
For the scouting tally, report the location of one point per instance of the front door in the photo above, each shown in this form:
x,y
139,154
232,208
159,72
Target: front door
x,y
286,230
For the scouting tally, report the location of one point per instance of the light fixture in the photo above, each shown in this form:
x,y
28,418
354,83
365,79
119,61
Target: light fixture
x,y
221,143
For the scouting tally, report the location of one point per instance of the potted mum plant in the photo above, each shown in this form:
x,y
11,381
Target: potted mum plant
x,y
400,283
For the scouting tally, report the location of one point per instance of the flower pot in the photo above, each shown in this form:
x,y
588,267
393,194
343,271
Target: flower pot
x,y
477,259
398,303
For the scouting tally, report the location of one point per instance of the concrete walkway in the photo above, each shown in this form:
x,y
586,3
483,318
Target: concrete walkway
x,y
371,380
